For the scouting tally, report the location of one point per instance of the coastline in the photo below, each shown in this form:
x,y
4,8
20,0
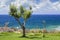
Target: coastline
x,y
7,29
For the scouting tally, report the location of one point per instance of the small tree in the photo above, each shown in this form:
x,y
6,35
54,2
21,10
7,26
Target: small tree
x,y
22,13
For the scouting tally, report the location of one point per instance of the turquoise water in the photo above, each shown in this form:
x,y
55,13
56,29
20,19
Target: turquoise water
x,y
35,21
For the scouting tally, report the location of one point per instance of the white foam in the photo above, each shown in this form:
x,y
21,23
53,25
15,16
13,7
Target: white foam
x,y
58,28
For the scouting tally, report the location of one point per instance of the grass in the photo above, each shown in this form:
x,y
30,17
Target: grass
x,y
30,36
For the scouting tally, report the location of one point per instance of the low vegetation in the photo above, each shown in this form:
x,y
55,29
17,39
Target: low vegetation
x,y
30,36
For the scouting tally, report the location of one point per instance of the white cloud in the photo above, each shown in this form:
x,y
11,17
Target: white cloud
x,y
47,7
43,7
4,9
2,4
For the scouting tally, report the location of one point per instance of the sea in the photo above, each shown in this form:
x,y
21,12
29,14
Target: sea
x,y
34,22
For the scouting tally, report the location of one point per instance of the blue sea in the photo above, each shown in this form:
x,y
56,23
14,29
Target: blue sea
x,y
34,22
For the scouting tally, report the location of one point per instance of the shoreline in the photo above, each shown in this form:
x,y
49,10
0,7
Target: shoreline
x,y
7,29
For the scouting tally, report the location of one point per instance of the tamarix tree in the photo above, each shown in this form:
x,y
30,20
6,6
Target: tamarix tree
x,y
23,13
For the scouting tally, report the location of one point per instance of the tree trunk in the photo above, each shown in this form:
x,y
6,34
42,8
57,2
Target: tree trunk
x,y
23,28
23,32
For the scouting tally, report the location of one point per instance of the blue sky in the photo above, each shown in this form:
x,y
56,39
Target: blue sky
x,y
39,7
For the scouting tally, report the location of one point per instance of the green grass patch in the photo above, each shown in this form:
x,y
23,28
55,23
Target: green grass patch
x,y
30,36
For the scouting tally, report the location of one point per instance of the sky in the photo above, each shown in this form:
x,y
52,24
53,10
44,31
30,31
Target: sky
x,y
39,7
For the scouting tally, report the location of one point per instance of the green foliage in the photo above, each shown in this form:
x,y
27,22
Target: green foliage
x,y
21,9
13,10
24,13
30,8
18,14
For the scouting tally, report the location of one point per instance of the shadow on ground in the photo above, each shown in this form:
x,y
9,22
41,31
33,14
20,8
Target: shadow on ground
x,y
32,37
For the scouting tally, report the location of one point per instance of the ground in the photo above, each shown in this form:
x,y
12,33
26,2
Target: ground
x,y
30,36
